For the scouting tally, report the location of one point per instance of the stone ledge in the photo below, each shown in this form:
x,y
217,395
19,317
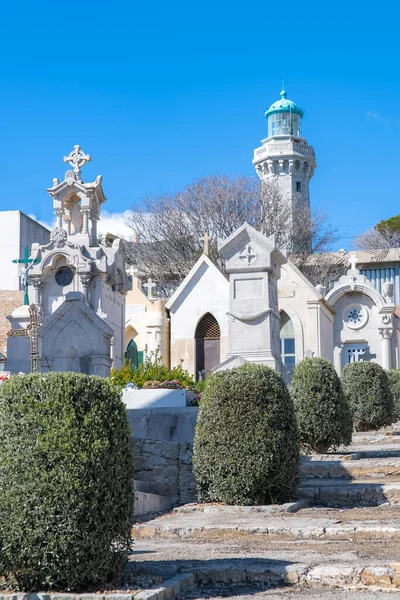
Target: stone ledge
x,y
288,507
170,589
326,576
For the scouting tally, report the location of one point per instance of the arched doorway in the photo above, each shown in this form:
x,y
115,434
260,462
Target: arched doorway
x,y
288,347
207,337
133,355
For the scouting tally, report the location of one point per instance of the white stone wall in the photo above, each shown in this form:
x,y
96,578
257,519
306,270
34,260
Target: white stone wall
x,y
208,291
17,231
367,334
312,320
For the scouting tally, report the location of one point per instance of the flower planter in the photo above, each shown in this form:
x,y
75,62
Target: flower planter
x,y
156,398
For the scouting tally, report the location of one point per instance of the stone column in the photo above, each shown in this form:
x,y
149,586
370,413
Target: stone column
x,y
36,284
86,278
386,332
93,233
59,216
85,226
68,223
386,335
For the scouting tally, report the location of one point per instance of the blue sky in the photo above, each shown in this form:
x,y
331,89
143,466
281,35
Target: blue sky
x,y
161,93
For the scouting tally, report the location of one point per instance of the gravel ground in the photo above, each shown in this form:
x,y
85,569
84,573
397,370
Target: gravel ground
x,y
257,593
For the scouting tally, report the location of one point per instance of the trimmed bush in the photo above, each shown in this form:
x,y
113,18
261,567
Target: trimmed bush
x,y
66,481
246,447
366,386
322,411
394,383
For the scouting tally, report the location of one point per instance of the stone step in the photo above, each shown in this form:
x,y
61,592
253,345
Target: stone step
x,y
342,493
234,526
356,576
361,468
372,452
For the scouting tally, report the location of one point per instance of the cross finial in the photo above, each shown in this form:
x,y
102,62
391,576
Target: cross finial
x,y
149,286
77,158
206,240
353,260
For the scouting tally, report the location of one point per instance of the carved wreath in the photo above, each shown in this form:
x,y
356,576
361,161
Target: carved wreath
x,y
58,236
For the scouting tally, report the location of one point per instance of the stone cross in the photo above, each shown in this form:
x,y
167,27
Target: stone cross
x,y
248,255
32,332
149,286
25,264
353,260
77,158
206,239
132,271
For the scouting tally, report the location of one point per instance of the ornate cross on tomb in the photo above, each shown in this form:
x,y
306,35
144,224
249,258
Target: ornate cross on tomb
x,y
77,158
32,332
149,286
248,255
353,260
206,239
25,264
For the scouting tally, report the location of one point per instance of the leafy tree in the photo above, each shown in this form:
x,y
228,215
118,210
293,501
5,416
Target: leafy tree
x,y
66,481
368,392
383,236
394,383
322,411
246,447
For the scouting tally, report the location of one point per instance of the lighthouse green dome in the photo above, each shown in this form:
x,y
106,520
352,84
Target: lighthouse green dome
x,y
284,105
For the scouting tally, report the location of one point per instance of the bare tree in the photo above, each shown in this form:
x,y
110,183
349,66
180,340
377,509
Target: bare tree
x,y
384,236
167,229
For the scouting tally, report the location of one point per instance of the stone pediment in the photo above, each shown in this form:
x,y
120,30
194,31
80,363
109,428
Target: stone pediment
x,y
249,250
203,264
74,338
74,309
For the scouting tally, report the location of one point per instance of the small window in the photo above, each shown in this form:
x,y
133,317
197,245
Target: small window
x,y
298,186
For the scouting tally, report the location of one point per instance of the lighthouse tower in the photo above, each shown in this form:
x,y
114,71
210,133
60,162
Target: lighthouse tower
x,y
285,159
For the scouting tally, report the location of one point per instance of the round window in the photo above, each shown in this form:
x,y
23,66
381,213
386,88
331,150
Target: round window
x,y
355,316
64,276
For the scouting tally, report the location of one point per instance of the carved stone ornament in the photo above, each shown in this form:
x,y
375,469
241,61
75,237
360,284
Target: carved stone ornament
x,y
387,291
386,333
86,279
70,177
59,237
249,255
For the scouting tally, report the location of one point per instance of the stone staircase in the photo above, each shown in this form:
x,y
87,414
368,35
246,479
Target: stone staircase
x,y
367,474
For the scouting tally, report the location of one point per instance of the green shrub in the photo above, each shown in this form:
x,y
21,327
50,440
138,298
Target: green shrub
x,y
152,369
66,475
246,447
322,411
367,388
394,383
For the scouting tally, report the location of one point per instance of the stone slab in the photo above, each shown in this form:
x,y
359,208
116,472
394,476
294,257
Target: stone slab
x,y
146,503
139,399
339,492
